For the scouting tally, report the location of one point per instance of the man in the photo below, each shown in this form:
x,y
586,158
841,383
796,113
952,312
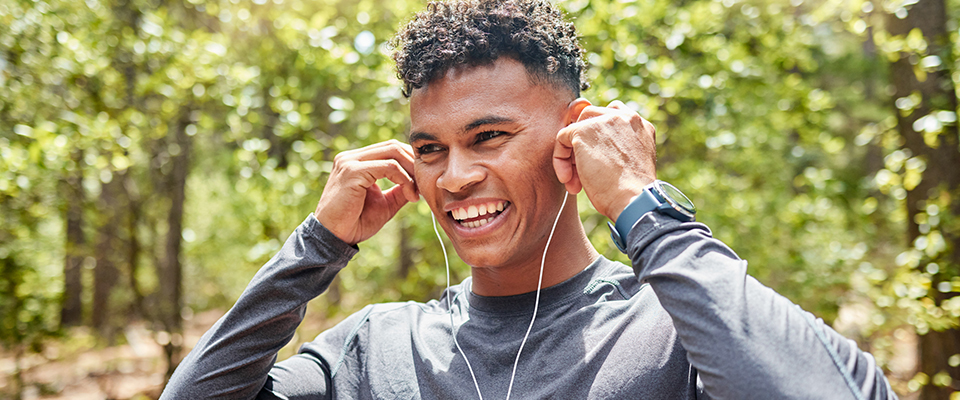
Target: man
x,y
499,139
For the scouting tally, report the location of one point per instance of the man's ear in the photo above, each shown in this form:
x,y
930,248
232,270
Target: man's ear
x,y
574,109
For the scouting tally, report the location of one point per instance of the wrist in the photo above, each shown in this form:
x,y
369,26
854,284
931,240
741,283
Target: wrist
x,y
623,205
627,196
658,196
323,219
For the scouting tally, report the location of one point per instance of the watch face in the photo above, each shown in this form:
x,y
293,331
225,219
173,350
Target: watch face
x,y
677,197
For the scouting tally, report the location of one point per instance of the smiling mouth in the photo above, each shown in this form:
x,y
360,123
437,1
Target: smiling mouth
x,y
478,215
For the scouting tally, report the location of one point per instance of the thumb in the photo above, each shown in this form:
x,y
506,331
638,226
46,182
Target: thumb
x,y
396,198
565,162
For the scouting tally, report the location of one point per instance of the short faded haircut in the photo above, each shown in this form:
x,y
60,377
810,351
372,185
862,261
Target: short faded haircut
x,y
451,34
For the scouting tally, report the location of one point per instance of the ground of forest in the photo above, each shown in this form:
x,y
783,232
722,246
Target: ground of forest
x,y
78,368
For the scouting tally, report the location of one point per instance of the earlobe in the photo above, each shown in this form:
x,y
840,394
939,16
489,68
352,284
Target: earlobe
x,y
574,109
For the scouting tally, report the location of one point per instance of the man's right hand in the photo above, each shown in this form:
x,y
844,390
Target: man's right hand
x,y
352,206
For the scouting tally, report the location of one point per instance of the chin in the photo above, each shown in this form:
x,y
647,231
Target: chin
x,y
481,256
495,256
478,260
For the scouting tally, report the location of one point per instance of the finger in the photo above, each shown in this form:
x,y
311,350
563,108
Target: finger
x,y
409,186
649,127
574,185
396,198
391,149
405,184
591,112
564,160
563,155
366,173
564,169
617,104
395,147
383,144
407,190
410,192
355,154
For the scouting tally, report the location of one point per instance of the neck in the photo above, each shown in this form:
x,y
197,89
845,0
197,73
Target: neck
x,y
569,253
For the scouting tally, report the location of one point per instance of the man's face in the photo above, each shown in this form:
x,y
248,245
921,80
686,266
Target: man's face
x,y
483,139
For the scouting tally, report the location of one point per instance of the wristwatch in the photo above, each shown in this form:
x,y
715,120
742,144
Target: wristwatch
x,y
658,196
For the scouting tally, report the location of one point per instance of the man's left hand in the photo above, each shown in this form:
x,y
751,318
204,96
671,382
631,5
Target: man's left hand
x,y
610,153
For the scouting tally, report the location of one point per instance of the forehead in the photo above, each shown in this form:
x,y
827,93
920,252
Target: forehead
x,y
502,89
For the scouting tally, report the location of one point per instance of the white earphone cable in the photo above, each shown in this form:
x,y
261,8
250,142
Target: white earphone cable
x,y
453,330
536,304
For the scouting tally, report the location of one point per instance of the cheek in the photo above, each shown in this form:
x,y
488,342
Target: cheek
x,y
420,178
426,179
538,160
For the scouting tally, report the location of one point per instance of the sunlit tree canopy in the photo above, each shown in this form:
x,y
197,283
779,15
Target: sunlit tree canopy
x,y
153,155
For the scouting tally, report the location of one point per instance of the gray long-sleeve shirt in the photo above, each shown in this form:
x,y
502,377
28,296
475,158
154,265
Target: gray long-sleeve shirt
x,y
685,322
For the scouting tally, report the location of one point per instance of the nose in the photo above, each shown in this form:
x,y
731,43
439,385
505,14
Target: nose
x,y
461,172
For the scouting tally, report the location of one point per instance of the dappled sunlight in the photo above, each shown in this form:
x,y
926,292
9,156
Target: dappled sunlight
x,y
153,155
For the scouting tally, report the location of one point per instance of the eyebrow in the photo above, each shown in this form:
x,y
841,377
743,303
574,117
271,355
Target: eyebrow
x,y
488,120
415,136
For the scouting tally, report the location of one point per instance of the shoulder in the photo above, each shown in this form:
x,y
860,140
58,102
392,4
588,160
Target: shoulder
x,y
614,293
390,320
399,312
615,278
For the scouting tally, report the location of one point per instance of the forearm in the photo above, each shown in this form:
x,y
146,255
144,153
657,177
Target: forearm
x,y
745,340
232,360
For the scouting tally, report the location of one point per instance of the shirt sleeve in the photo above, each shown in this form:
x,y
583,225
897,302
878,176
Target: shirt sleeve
x,y
234,359
745,340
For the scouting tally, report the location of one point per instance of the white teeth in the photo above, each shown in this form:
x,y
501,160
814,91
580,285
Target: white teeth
x,y
474,211
477,223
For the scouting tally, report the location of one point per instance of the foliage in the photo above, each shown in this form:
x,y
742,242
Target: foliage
x,y
775,118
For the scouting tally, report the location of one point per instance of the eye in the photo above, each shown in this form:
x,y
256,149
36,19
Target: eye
x,y
428,148
487,135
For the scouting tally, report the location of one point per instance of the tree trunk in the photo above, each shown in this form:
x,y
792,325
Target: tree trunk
x,y
271,118
18,372
941,176
171,272
108,248
10,308
71,311
137,308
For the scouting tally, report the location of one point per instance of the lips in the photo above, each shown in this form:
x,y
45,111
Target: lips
x,y
475,216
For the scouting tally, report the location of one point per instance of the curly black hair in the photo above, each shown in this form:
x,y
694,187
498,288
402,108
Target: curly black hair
x,y
477,32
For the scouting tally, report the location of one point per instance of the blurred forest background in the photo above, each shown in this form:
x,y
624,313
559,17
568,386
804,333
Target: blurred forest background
x,y
155,153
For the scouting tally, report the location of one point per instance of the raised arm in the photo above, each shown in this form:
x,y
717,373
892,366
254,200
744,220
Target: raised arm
x,y
235,358
745,340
